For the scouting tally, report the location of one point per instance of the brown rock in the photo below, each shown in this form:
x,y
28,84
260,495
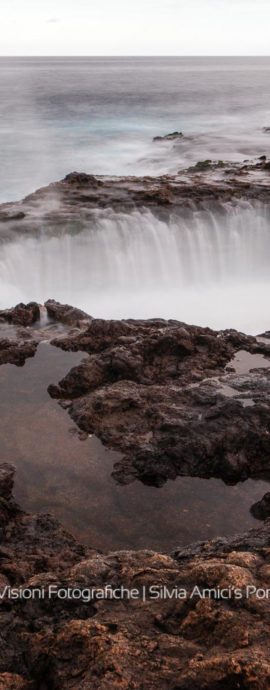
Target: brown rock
x,y
66,314
22,314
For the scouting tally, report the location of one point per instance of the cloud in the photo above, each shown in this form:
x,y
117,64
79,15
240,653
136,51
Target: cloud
x,y
53,20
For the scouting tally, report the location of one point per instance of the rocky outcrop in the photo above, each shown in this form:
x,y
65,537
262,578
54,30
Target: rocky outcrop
x,y
79,198
16,351
173,136
66,314
261,509
187,627
24,326
17,342
158,392
168,396
22,314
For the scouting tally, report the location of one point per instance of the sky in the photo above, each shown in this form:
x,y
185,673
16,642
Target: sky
x,y
134,27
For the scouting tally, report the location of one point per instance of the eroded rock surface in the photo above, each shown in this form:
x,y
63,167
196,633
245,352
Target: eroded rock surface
x,y
261,509
16,351
79,198
24,326
158,391
22,314
66,314
173,136
160,643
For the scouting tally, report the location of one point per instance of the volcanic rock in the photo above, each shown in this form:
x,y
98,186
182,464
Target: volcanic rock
x,y
193,640
16,351
77,199
170,137
261,509
22,314
66,314
158,392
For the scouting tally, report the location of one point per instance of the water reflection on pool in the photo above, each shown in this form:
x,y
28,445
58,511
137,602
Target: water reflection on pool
x,y
57,472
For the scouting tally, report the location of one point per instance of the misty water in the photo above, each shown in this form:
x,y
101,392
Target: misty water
x,y
99,115
207,267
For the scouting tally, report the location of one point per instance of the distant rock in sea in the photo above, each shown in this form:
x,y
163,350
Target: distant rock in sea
x,y
170,137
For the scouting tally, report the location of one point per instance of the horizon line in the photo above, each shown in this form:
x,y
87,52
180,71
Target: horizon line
x,y
212,55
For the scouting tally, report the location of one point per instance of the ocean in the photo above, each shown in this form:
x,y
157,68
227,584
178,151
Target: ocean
x,y
99,115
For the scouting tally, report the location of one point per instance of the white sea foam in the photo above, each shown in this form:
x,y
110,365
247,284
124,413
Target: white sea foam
x,y
206,268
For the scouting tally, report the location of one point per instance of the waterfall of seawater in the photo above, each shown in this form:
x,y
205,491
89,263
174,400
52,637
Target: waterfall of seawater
x,y
206,268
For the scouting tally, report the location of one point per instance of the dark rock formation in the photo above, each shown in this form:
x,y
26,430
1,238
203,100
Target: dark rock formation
x,y
261,509
22,314
16,351
158,392
74,201
205,165
21,329
194,641
170,137
66,314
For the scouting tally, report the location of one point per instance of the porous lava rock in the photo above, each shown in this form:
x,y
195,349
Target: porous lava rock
x,y
66,314
16,351
198,640
158,391
70,204
22,314
261,509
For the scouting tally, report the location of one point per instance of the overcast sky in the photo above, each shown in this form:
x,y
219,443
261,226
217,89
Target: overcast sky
x,y
134,27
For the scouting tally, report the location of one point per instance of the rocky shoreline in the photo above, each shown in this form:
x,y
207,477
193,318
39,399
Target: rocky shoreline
x,y
169,396
79,197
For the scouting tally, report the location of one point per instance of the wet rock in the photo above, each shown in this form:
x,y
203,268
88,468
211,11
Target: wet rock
x,y
157,391
82,179
203,166
192,640
66,314
198,639
6,217
261,509
22,314
16,351
72,202
170,137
